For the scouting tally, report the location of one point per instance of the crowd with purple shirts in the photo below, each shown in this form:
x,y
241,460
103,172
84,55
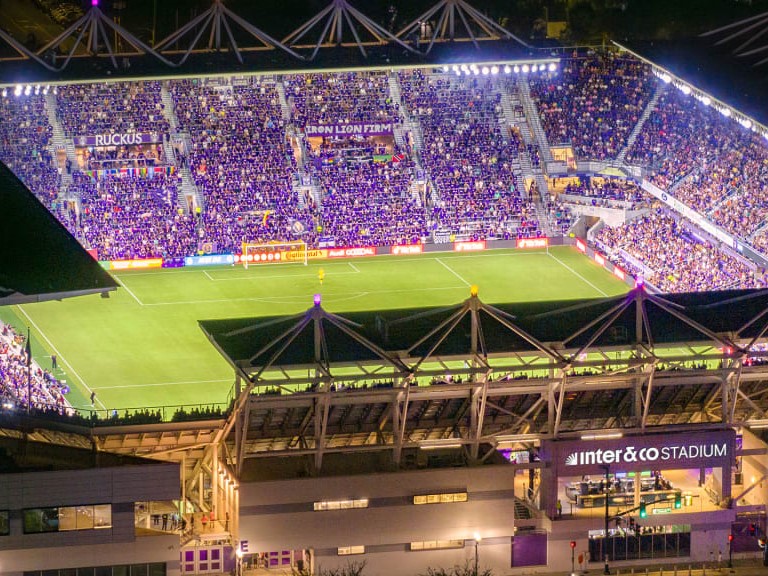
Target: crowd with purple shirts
x,y
26,383
25,145
242,162
127,217
339,98
592,102
111,108
470,155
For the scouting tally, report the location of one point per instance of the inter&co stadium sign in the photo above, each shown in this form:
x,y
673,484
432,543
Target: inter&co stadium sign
x,y
633,453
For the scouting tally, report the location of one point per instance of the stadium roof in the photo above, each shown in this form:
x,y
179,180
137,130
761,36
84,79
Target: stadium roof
x,y
561,331
713,68
39,258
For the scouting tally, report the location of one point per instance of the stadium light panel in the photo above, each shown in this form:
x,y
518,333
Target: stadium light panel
x,y
706,101
28,90
486,70
542,67
17,91
552,67
517,69
455,68
494,70
445,68
5,92
666,78
526,68
685,89
475,71
725,112
507,69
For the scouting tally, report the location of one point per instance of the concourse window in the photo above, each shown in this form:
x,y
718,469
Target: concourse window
x,y
351,550
341,504
448,498
5,526
40,520
436,545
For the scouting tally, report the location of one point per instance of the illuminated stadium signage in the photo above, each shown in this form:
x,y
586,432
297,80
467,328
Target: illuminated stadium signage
x,y
409,249
209,260
136,264
630,454
469,246
532,242
351,252
652,452
351,129
118,139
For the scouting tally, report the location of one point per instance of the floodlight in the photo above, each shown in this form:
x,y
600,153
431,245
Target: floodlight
x,y
507,69
706,100
486,70
28,90
725,112
542,67
494,70
455,68
666,78
17,90
445,68
552,67
5,92
685,89
526,68
517,69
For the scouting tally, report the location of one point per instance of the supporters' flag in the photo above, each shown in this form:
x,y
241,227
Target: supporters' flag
x,y
297,227
398,157
28,349
266,217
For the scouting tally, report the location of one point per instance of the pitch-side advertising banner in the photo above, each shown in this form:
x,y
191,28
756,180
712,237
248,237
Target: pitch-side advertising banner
x,y
351,252
532,242
633,453
136,264
407,249
475,246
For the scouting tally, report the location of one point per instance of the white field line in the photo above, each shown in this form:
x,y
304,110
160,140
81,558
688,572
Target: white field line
x,y
139,302
163,384
452,271
355,268
259,278
578,275
60,356
292,299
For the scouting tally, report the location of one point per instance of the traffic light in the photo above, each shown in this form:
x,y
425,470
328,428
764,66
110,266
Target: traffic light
x,y
573,544
730,538
643,511
678,500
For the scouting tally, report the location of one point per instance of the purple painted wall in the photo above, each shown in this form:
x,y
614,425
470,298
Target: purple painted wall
x,y
529,549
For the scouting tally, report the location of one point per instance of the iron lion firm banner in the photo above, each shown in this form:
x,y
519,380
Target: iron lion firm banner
x,y
637,453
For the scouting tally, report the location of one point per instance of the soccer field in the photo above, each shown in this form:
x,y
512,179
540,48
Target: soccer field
x,y
142,347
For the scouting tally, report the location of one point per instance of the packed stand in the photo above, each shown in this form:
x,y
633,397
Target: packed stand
x,y
370,203
111,108
681,136
469,156
18,376
593,102
25,139
126,217
339,98
242,163
673,259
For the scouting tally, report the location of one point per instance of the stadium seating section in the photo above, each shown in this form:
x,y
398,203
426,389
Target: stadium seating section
x,y
230,163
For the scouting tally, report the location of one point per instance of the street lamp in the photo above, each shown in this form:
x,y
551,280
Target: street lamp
x,y
605,536
478,538
239,554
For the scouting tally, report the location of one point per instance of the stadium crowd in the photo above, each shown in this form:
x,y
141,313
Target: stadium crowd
x,y
593,102
245,159
673,259
470,157
24,383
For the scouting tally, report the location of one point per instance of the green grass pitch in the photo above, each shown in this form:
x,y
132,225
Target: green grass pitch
x,y
142,347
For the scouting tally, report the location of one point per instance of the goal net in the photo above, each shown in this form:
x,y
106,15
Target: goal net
x,y
274,253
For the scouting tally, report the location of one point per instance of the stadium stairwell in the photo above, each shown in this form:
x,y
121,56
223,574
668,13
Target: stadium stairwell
x,y
649,108
286,110
60,141
532,115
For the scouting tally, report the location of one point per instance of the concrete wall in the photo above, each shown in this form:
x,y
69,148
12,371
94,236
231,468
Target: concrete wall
x,y
280,515
120,486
